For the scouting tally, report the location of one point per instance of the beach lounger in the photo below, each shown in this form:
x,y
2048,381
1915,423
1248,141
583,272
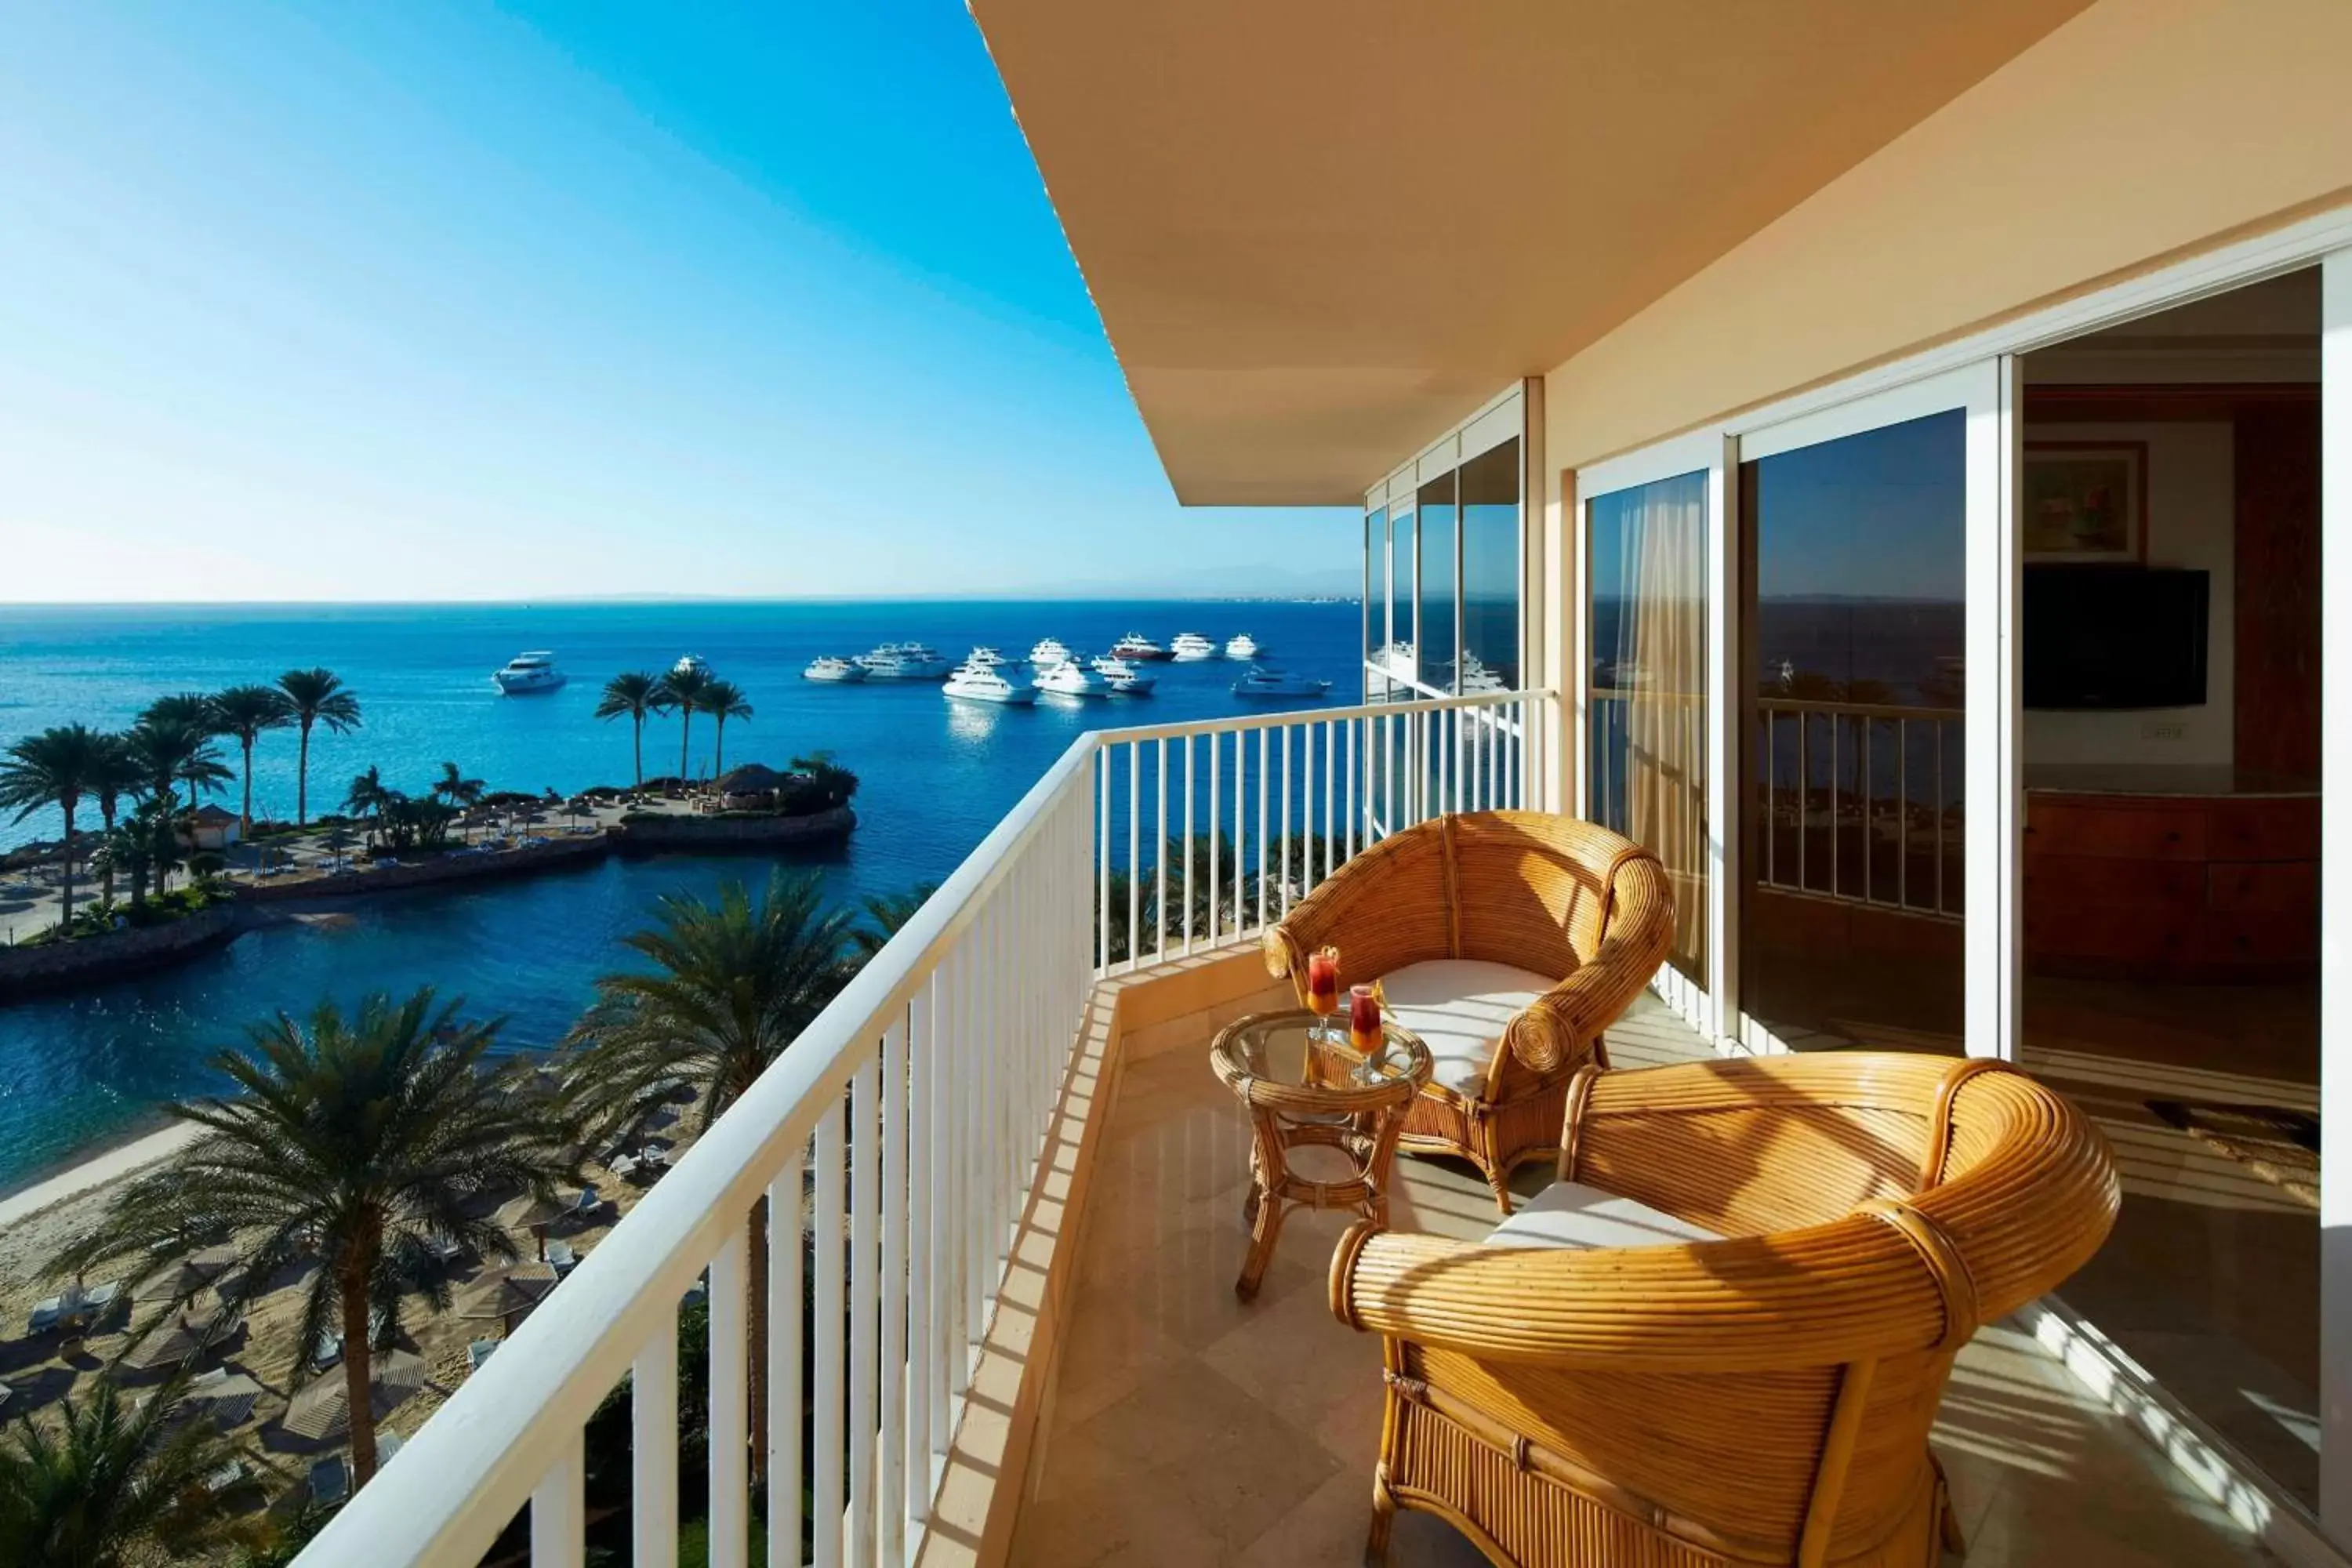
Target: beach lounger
x,y
387,1444
561,1259
623,1166
227,1477
330,1479
479,1352
586,1203
328,1352
447,1248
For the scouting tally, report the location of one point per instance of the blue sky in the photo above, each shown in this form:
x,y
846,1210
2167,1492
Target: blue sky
x,y
429,301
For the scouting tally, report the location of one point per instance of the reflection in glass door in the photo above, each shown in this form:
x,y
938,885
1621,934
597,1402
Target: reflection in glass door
x,y
1648,571
1856,574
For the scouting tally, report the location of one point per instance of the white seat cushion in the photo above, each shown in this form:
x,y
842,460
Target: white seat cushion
x,y
1570,1213
1459,1007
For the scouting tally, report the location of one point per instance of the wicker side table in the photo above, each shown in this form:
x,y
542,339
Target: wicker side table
x,y
1304,1093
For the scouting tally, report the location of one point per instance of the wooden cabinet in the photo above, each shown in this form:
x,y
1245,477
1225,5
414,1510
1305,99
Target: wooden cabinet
x,y
2216,889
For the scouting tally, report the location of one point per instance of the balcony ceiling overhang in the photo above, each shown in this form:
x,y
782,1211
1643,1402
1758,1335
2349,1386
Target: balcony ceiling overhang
x,y
1318,234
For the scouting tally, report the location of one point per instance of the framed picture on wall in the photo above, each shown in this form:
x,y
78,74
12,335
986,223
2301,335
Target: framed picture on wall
x,y
2085,502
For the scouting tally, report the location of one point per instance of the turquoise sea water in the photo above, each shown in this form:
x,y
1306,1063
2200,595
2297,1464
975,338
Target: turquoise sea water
x,y
79,1070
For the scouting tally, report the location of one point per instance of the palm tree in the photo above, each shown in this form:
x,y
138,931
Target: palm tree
x,y
317,697
731,985
172,751
106,1483
143,846
368,796
244,711
362,1141
723,699
888,912
461,793
118,774
637,694
191,708
56,767
684,689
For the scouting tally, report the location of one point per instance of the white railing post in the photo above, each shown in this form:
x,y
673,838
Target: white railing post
x,y
653,1451
894,1297
559,1518
826,1218
787,1235
731,1510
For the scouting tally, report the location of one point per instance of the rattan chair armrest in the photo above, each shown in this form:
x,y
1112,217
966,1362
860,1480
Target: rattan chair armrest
x,y
1558,1024
1832,1293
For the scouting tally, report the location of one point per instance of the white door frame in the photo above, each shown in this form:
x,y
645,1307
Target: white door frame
x,y
2335,897
1985,393
1706,1007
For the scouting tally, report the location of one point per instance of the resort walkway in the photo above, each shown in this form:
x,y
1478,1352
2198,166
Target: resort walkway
x,y
1186,1427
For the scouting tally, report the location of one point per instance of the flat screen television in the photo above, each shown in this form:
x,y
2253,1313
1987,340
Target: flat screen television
x,y
2113,636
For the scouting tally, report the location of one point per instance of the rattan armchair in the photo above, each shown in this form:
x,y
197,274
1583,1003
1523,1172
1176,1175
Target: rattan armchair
x,y
1580,916
1761,1399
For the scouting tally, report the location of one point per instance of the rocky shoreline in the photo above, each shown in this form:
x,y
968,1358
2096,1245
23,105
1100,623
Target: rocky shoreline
x,y
29,970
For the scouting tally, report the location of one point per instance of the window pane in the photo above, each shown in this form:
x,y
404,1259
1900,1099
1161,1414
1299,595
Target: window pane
x,y
1399,649
1376,595
1649,687
1435,639
1854,569
1490,570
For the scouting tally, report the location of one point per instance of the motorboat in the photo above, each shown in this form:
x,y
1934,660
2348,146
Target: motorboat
x,y
1243,646
1190,646
1123,678
528,674
1136,646
904,661
981,683
987,658
829,668
1048,652
690,664
1071,678
1478,677
1263,682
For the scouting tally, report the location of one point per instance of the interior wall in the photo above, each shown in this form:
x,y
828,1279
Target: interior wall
x,y
2191,522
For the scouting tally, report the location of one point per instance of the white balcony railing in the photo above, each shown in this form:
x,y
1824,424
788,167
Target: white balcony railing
x,y
906,1123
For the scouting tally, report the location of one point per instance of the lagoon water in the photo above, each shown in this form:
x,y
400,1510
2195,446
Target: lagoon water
x,y
81,1070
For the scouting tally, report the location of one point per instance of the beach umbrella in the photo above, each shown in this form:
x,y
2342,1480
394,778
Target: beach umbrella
x,y
533,1215
172,1340
322,1410
502,1295
186,1277
226,1402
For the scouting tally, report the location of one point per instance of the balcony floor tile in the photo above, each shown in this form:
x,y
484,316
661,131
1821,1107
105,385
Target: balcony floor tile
x,y
1187,1427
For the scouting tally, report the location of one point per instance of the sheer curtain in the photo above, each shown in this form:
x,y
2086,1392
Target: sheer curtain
x,y
1656,669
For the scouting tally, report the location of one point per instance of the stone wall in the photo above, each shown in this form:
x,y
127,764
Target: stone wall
x,y
730,832
92,959
441,868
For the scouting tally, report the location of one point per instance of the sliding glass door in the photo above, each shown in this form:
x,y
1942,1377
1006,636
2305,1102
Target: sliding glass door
x,y
1875,811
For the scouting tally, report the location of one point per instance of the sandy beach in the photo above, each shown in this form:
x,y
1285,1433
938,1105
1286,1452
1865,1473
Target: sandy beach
x,y
38,1370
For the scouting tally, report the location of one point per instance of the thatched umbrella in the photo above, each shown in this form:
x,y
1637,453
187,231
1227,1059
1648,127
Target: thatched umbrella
x,y
168,1342
502,1295
226,1402
533,1215
322,1410
336,842
191,1274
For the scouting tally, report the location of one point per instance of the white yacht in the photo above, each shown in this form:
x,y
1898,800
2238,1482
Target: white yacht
x,y
1478,677
830,669
983,683
987,658
904,661
529,673
1136,646
1263,682
690,664
1243,646
1071,678
1123,678
1049,652
1190,646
